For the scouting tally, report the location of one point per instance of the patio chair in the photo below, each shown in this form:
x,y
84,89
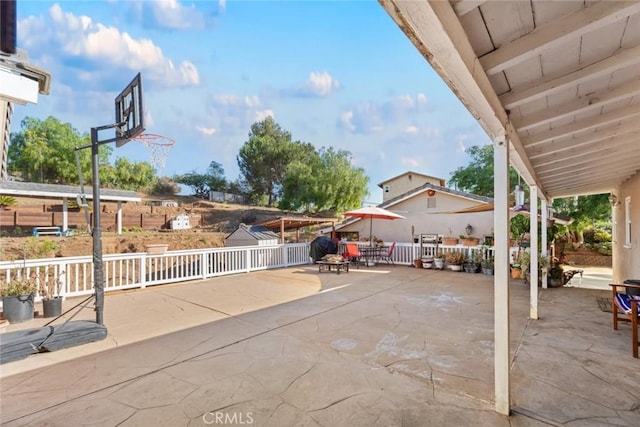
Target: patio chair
x,y
353,254
627,306
386,256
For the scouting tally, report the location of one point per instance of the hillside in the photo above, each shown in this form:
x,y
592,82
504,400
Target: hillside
x,y
218,220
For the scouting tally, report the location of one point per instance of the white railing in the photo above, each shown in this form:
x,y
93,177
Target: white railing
x,y
139,270
405,253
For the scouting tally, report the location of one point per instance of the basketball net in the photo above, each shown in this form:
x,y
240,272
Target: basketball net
x,y
159,147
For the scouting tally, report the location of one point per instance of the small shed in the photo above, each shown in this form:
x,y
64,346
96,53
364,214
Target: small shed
x,y
180,222
251,235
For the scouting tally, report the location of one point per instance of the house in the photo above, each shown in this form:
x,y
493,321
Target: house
x,y
251,235
428,208
407,181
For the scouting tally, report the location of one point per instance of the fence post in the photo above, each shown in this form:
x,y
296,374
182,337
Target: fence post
x,y
204,268
285,255
248,260
143,271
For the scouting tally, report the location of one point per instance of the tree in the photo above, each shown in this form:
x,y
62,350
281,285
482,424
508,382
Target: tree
x,y
202,184
43,151
477,176
164,186
264,159
585,211
324,181
197,182
215,177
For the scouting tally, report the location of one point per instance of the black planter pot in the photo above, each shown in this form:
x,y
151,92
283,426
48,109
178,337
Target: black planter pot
x,y
18,308
52,307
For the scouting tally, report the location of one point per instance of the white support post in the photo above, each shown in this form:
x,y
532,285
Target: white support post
x,y
533,252
119,217
501,278
544,252
65,216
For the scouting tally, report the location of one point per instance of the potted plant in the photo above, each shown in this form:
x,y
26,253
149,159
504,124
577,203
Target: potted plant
x,y
473,264
438,261
555,275
469,240
427,261
454,260
449,240
417,263
49,290
17,298
487,266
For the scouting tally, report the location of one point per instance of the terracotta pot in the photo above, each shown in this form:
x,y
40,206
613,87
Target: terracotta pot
x,y
449,241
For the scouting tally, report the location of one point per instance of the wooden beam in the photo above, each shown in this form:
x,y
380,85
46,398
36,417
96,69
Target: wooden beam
x,y
591,150
501,189
554,33
580,74
620,114
588,102
462,7
598,161
602,186
611,166
621,130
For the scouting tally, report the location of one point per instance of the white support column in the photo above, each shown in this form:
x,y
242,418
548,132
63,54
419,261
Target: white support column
x,y
65,216
533,252
501,278
544,252
119,217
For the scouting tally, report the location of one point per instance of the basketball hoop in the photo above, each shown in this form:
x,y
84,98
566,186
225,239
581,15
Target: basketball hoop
x,y
159,147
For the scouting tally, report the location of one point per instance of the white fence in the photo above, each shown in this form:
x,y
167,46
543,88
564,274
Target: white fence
x,y
138,270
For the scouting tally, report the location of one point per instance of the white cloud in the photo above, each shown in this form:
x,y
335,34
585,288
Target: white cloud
x,y
81,37
206,131
319,84
373,117
261,115
233,113
411,130
172,14
222,4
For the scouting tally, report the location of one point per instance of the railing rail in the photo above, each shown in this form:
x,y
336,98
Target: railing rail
x,y
139,270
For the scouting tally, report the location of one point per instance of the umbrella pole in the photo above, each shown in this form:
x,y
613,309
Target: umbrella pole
x,y
371,232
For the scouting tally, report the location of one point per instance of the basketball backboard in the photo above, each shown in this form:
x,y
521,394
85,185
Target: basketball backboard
x,y
129,112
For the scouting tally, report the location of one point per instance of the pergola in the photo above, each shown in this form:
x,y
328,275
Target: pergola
x,y
555,85
283,223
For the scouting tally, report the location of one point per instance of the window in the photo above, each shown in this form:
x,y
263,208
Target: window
x,y
627,221
387,188
431,202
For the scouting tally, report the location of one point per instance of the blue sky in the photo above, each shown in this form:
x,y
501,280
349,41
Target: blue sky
x,y
333,73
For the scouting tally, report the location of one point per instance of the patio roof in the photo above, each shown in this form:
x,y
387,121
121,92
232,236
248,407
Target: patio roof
x,y
559,80
34,189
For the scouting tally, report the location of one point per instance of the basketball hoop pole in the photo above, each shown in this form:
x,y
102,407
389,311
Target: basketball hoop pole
x,y
96,232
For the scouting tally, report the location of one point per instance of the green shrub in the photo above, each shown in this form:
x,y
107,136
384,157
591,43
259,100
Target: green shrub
x,y
36,247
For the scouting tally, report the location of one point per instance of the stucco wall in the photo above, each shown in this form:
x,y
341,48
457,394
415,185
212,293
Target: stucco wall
x,y
626,258
427,220
404,183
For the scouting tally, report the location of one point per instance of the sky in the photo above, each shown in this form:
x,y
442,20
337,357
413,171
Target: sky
x,y
332,73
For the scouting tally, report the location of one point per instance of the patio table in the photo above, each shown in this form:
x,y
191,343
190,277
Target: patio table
x,y
339,266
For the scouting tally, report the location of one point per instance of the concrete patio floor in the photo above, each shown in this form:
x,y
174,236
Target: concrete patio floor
x,y
384,346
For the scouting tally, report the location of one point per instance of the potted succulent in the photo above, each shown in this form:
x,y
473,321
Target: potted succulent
x,y
473,264
454,260
17,298
487,266
438,261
